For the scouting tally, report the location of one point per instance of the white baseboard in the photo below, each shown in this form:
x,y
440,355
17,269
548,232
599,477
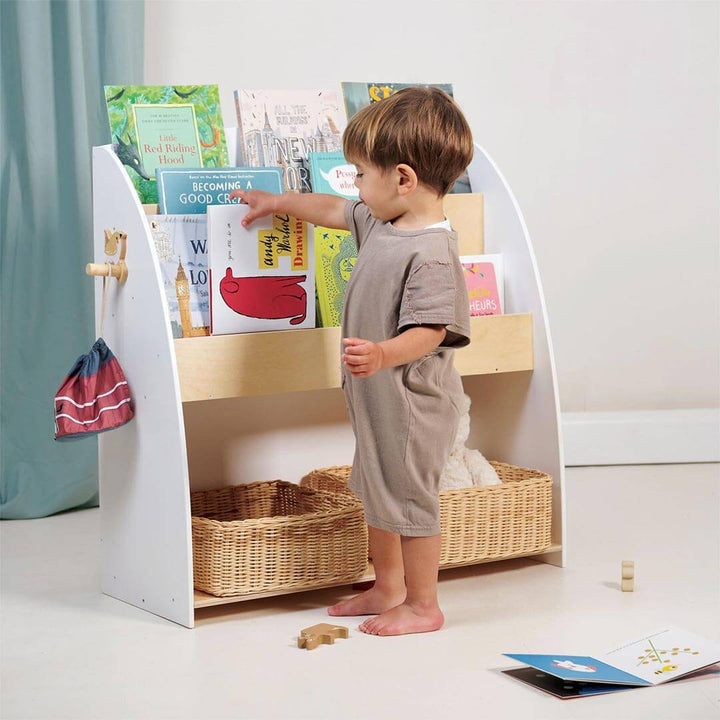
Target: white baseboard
x,y
641,437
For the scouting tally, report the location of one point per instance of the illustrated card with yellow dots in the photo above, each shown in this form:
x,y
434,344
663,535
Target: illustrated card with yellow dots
x,y
664,655
658,657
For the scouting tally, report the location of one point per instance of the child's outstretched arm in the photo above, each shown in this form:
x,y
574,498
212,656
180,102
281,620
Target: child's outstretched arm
x,y
363,357
315,208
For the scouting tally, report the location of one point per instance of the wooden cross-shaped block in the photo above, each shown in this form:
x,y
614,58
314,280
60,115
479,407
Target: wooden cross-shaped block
x,y
313,636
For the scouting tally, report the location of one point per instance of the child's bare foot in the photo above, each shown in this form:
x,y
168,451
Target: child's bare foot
x,y
372,602
404,619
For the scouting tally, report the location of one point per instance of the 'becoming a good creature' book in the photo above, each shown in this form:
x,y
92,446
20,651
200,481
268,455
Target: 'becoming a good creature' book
x,y
281,127
159,126
335,257
191,191
261,277
181,246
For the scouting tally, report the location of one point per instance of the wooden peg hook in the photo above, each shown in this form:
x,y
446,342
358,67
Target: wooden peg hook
x,y
117,270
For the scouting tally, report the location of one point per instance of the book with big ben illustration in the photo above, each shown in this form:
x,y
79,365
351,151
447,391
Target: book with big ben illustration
x,y
181,246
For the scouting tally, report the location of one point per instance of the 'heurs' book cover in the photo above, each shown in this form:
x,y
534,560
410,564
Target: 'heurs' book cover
x,y
281,127
165,126
261,277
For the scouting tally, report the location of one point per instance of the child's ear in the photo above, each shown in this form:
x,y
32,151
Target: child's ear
x,y
407,179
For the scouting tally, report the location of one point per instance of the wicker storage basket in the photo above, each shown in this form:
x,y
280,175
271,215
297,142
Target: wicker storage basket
x,y
275,536
480,523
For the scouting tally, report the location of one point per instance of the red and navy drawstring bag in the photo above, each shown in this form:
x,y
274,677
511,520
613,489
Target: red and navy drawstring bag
x,y
95,396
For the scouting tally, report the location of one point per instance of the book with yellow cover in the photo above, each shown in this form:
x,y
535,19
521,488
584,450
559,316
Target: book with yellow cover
x,y
335,256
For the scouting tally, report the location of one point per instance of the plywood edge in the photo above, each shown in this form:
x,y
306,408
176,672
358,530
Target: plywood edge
x,y
204,600
248,364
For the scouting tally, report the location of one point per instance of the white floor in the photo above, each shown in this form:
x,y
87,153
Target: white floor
x,y
70,652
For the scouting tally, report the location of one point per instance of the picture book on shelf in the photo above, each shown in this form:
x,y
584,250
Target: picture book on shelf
x,y
335,257
181,246
331,173
357,95
281,127
659,657
261,277
485,286
158,126
191,191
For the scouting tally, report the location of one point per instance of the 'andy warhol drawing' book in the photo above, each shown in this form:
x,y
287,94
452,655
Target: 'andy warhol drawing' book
x,y
191,191
158,126
281,127
261,277
659,657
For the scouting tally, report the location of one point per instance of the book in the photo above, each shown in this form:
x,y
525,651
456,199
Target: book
x,y
281,127
331,173
181,246
485,286
165,125
658,657
335,257
191,191
357,95
261,277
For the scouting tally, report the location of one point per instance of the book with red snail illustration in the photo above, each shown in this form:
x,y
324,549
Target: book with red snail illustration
x,y
165,126
262,277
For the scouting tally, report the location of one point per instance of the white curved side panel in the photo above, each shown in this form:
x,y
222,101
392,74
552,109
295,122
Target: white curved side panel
x,y
144,486
516,416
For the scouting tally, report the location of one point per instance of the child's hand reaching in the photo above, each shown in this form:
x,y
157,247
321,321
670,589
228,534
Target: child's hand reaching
x,y
261,204
362,357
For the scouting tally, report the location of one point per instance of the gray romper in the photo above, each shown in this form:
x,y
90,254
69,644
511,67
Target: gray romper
x,y
405,417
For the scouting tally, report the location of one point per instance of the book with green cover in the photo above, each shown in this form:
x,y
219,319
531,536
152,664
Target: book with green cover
x,y
165,126
332,174
335,257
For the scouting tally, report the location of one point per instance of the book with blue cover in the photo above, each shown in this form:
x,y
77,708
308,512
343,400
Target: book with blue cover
x,y
332,174
190,191
658,657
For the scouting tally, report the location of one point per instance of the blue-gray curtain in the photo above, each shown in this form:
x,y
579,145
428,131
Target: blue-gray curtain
x,y
56,57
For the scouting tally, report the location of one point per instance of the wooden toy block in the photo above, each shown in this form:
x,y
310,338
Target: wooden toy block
x,y
628,576
325,633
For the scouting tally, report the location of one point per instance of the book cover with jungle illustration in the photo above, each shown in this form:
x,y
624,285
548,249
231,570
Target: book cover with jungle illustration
x,y
335,257
165,126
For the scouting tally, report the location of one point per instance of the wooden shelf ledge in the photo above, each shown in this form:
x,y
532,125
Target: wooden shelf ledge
x,y
267,363
202,599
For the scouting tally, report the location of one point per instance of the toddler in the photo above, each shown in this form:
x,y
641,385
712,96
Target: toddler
x,y
406,308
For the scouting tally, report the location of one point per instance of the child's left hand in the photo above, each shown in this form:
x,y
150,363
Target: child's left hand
x,y
362,357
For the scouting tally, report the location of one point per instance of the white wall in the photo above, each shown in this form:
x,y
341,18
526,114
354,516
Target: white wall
x,y
603,118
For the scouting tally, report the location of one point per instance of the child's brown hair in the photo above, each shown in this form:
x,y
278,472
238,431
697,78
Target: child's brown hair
x,y
420,126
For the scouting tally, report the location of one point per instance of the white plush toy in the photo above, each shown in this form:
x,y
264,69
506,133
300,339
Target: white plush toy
x,y
466,467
